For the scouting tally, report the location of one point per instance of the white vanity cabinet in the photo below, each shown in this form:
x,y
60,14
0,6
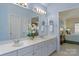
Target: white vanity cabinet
x,y
13,53
51,46
38,49
37,52
26,51
42,47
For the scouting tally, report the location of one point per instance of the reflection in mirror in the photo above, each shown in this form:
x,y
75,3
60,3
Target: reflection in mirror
x,y
33,30
43,23
51,25
42,26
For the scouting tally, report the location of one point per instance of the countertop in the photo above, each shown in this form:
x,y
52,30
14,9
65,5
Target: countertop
x,y
6,48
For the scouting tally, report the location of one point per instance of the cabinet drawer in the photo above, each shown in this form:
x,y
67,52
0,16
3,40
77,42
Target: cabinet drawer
x,y
14,53
25,50
37,52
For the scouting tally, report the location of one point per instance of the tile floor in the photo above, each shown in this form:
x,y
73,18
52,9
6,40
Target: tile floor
x,y
68,50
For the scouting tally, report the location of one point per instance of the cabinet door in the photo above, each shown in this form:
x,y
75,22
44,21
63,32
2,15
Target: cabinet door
x,y
44,51
14,53
54,44
28,54
38,49
51,46
38,52
25,51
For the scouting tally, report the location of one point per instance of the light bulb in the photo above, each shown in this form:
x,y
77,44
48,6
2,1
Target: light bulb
x,y
44,12
37,9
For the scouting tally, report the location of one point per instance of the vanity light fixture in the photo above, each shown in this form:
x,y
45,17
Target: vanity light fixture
x,y
39,11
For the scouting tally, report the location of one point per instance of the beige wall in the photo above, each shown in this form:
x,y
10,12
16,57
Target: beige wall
x,y
70,23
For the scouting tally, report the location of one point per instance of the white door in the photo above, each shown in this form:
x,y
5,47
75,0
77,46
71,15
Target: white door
x,y
37,52
14,26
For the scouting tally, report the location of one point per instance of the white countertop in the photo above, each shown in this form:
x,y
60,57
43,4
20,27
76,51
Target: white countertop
x,y
5,48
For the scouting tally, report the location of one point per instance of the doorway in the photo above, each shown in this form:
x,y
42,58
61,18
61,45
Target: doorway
x,y
69,26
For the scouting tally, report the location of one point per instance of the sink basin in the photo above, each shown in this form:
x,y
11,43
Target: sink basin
x,y
17,43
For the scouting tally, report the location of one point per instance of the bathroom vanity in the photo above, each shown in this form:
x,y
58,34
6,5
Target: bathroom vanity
x,y
37,47
16,27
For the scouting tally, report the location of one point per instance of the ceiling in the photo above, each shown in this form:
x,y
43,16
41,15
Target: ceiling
x,y
72,13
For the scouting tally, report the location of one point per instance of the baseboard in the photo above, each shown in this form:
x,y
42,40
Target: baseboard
x,y
71,42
